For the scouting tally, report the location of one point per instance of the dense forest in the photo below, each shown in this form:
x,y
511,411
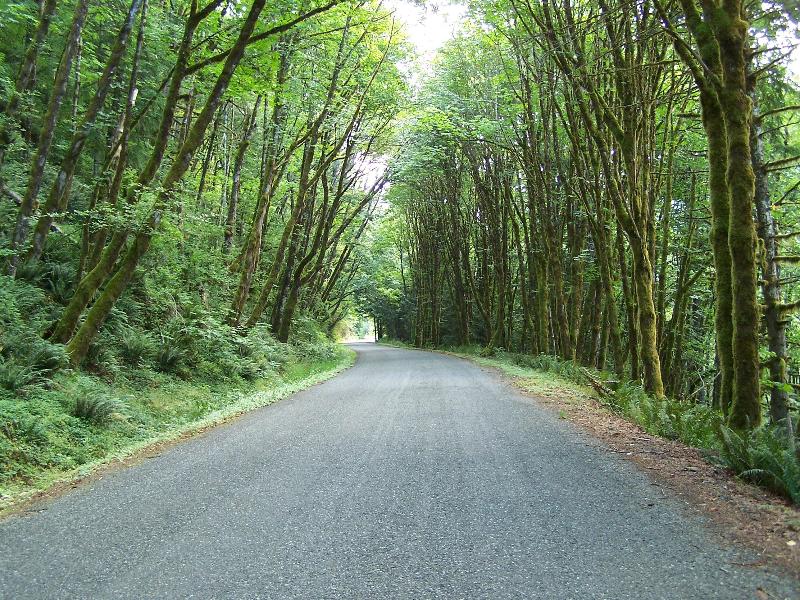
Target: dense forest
x,y
204,194
613,184
184,187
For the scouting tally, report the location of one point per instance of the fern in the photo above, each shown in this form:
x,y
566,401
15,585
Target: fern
x,y
97,409
169,358
15,377
765,457
136,348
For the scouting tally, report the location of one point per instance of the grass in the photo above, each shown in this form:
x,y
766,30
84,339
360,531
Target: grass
x,y
81,422
542,383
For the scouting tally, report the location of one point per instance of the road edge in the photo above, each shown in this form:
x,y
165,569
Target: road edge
x,y
31,500
736,512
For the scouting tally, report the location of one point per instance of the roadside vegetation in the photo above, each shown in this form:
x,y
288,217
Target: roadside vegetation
x,y
183,190
136,387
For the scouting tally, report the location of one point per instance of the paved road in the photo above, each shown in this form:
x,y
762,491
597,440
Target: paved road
x,y
412,475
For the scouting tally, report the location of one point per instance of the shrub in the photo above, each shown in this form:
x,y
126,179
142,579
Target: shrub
x,y
169,358
47,358
765,456
544,362
309,341
136,348
97,408
101,358
693,424
24,428
33,272
14,377
272,352
59,279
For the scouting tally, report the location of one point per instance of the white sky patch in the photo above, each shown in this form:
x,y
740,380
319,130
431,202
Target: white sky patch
x,y
372,168
428,28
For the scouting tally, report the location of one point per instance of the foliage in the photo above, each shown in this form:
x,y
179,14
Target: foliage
x,y
15,377
84,418
765,456
136,348
97,409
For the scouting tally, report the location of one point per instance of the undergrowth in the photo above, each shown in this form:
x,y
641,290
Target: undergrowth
x,y
146,376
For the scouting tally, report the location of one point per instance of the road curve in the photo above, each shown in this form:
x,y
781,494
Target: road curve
x,y
411,475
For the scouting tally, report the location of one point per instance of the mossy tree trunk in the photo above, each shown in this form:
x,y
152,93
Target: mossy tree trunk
x,y
30,199
58,197
775,320
78,346
732,33
107,255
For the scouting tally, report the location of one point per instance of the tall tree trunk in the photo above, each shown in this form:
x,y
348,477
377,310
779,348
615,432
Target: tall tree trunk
x,y
248,258
745,411
79,344
104,263
775,321
59,192
29,200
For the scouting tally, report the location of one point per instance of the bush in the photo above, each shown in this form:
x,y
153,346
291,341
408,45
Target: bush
x,y
100,358
169,358
136,348
309,341
765,456
24,428
47,358
691,423
97,408
15,377
59,279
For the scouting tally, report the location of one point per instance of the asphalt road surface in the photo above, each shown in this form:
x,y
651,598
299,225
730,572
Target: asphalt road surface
x,y
411,475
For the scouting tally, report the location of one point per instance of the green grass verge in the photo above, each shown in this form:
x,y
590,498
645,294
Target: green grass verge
x,y
47,444
540,383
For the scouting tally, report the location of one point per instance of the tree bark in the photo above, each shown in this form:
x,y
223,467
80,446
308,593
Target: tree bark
x,y
58,197
29,200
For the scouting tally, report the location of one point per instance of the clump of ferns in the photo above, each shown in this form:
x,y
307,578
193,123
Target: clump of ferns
x,y
97,408
766,456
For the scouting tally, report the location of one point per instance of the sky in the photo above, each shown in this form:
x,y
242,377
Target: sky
x,y
428,27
